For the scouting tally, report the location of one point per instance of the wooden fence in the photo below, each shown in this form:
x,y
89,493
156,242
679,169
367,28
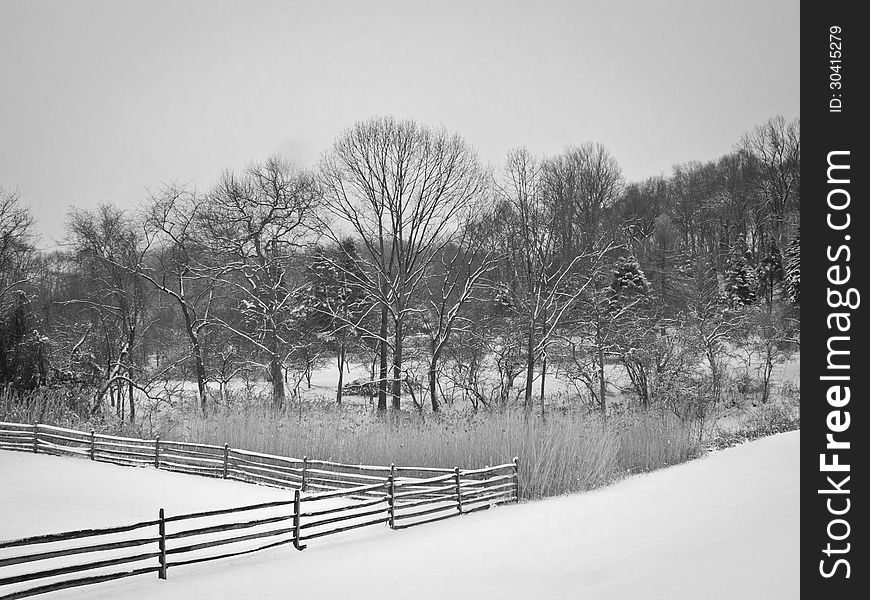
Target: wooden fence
x,y
329,498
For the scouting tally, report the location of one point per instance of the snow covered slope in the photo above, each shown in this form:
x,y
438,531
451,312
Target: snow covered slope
x,y
725,526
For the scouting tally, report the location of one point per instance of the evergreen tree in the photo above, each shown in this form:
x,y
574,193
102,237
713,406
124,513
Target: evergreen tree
x,y
629,281
23,357
633,323
740,284
793,269
769,271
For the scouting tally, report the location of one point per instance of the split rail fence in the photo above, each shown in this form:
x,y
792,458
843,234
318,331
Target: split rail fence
x,y
328,498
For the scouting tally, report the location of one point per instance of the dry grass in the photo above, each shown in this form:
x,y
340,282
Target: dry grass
x,y
782,414
56,405
652,440
563,453
566,452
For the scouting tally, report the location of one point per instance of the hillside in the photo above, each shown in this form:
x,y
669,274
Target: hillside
x,y
725,526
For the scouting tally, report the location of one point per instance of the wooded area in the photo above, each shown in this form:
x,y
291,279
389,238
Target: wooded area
x,y
454,282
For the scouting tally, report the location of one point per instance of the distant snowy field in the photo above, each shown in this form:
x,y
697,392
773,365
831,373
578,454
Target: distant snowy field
x,y
324,381
725,526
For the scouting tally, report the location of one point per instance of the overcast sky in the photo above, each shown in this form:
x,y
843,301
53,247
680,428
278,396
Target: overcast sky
x,y
101,100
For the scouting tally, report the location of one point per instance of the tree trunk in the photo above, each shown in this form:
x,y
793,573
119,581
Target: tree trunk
x,y
714,374
199,365
543,380
342,351
278,393
433,387
370,392
275,372
132,403
107,386
530,364
382,379
602,390
397,367
433,376
309,368
196,350
767,373
543,365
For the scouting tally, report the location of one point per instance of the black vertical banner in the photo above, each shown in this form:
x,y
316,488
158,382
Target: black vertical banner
x,y
834,268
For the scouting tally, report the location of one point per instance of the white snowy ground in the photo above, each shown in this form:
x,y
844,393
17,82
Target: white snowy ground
x,y
725,526
48,494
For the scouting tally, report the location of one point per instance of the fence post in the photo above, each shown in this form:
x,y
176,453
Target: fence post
x,y
93,444
391,492
226,458
458,490
162,544
304,472
35,438
297,509
516,478
157,452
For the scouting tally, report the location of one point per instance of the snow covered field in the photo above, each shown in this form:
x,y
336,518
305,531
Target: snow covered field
x,y
51,494
725,526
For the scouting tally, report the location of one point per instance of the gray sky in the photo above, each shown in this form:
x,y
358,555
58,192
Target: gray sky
x,y
101,100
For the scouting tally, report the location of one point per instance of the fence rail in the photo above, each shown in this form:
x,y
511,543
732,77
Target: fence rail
x,y
328,498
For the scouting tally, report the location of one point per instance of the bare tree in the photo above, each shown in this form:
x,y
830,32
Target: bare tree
x,y
452,281
402,188
107,249
730,206
776,147
178,269
711,321
16,241
538,282
579,185
486,357
22,346
255,223
600,324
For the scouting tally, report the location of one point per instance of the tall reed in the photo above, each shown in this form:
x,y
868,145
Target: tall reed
x,y
565,452
559,454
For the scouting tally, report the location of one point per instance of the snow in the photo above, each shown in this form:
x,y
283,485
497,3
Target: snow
x,y
725,526
53,494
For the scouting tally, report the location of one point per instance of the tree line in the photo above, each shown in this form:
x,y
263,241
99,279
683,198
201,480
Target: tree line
x,y
402,251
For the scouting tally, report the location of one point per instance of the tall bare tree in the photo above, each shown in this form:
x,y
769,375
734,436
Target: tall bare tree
x,y
178,268
255,223
451,284
538,281
579,185
776,147
402,188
